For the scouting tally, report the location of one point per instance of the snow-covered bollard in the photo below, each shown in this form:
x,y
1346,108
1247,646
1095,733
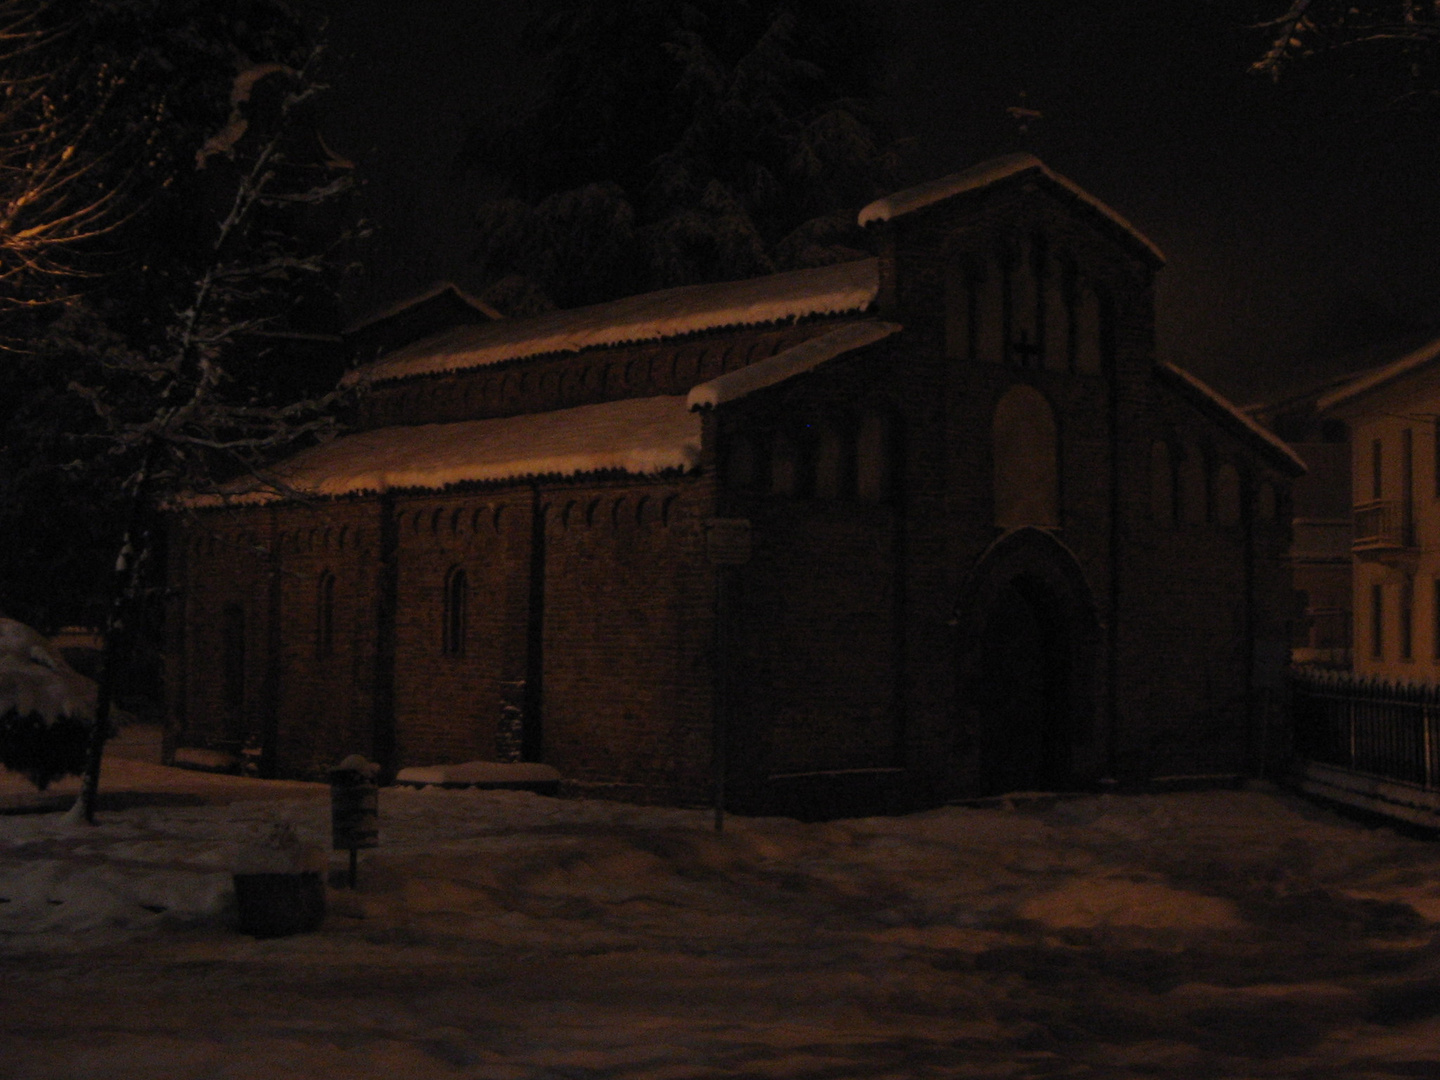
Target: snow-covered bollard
x,y
354,807
280,885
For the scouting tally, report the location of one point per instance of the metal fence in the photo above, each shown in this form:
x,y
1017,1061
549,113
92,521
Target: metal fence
x,y
1373,726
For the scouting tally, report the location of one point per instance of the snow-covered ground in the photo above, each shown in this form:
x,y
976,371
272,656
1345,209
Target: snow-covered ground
x,y
1234,934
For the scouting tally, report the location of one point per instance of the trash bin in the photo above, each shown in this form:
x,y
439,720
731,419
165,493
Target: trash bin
x,y
280,885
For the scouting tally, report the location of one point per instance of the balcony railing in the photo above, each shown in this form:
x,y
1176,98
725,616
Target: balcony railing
x,y
1385,525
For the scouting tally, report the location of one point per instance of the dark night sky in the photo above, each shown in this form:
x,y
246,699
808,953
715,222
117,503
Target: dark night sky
x,y
1299,226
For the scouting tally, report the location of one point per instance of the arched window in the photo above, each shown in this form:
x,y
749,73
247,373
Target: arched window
x,y
784,466
873,464
740,463
1194,498
1162,483
832,464
232,641
1266,503
1227,495
325,616
452,638
1026,457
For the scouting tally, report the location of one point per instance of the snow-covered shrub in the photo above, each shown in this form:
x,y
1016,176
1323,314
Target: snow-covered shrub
x,y
47,708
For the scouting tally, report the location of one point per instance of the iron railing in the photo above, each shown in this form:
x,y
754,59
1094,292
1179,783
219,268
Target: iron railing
x,y
1374,726
1384,525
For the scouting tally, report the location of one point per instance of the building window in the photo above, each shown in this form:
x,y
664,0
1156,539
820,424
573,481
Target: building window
x,y
1376,464
1026,460
232,639
873,453
740,463
1435,620
452,639
1407,620
1377,622
1407,487
325,616
832,463
1194,488
1162,483
1227,495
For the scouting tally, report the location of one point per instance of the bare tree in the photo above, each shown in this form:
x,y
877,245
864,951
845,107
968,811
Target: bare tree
x,y
1406,32
193,416
53,199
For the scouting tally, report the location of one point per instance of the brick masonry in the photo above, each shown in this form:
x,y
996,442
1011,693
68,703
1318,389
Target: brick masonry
x,y
858,636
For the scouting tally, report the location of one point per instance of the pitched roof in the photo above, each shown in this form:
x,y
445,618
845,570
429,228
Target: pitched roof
x,y
826,290
1228,413
642,436
431,292
989,173
1412,362
786,365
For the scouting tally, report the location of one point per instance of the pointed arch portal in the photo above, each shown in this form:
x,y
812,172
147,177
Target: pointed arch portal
x,y
1028,660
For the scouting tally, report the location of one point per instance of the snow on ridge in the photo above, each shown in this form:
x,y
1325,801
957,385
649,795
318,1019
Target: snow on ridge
x,y
984,175
793,361
641,436
826,290
405,303
1377,377
1220,401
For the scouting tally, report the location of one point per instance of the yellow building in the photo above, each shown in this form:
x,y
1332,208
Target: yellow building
x,y
1393,413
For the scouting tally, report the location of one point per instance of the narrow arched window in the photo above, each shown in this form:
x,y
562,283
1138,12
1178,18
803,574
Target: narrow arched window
x,y
452,637
784,465
325,616
832,463
1194,496
740,462
1227,495
1026,459
873,458
232,674
1162,483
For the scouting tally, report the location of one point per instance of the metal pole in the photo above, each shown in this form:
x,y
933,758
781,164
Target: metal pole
x,y
722,689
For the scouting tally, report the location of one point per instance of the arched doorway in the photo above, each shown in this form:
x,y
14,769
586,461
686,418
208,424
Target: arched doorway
x,y
1028,654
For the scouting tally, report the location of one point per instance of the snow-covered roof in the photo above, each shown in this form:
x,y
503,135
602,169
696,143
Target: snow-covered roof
x,y
796,294
984,175
1223,406
793,361
429,293
34,677
1411,362
642,436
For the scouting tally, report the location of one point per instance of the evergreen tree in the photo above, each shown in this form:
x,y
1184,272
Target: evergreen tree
x,y
680,141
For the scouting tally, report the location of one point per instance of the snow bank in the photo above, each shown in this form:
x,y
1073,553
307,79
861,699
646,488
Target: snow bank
x,y
785,365
480,773
36,680
641,436
984,175
825,290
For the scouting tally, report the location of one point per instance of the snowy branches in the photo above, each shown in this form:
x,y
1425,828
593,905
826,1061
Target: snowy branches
x,y
1408,29
193,406
52,199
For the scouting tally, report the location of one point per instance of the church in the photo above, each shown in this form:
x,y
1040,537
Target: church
x,y
870,536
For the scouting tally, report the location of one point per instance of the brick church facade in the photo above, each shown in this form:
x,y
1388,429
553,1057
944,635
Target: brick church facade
x,y
873,535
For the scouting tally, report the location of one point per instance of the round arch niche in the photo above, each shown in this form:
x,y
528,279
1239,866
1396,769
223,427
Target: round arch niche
x,y
1027,461
1028,658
